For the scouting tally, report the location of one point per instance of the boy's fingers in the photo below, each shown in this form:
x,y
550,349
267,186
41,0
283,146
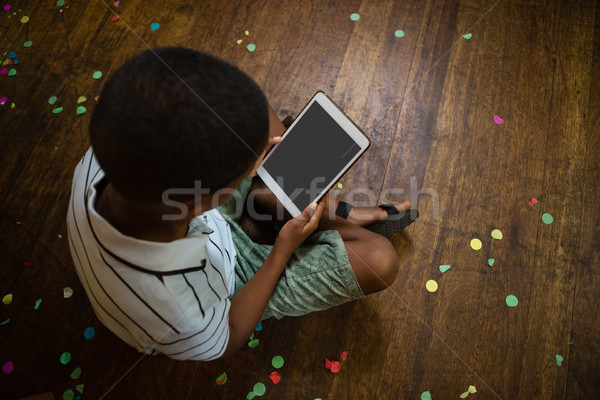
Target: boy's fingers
x,y
274,140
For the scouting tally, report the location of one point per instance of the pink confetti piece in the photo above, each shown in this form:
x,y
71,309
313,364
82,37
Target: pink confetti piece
x,y
498,120
532,201
3,100
116,3
3,71
275,377
8,367
6,8
115,18
343,356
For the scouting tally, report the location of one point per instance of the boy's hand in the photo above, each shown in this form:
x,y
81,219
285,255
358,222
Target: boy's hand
x,y
296,230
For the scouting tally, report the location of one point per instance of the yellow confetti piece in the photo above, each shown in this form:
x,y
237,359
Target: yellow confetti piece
x,y
246,33
497,234
7,299
464,395
472,389
476,244
239,41
340,186
25,19
81,99
431,285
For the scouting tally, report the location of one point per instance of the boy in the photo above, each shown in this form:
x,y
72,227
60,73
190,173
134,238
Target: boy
x,y
174,133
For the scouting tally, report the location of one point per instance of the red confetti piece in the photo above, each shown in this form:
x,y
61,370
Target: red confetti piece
x,y
327,364
343,356
335,367
115,18
275,377
222,379
26,263
532,201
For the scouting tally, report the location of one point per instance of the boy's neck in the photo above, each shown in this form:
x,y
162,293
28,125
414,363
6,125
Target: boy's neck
x,y
140,221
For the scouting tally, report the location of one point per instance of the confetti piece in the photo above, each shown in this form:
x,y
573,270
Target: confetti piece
x,y
444,268
259,327
67,292
344,355
60,3
239,41
12,72
464,395
222,379
7,299
12,105
547,219
335,367
97,75
3,71
6,8
3,100
116,3
340,186
253,343
81,99
79,388
327,364
251,47
52,100
431,285
68,395
115,18
57,110
472,389
512,300
532,201
425,396
498,120
277,362
259,389
559,359
497,234
8,367
354,17
491,261
6,321
399,33
12,54
250,396
275,377
154,26
27,43
89,333
81,110
76,373
25,19
476,244
246,33
37,304
59,236
65,358
468,36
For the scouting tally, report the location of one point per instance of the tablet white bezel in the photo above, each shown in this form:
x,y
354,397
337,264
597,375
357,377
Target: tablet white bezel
x,y
344,122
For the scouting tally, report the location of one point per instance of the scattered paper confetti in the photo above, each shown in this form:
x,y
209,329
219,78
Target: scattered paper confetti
x,y
60,3
8,367
37,304
559,359
52,100
24,19
115,18
344,355
472,389
250,396
431,285
498,120
81,110
464,395
89,333
476,244
6,321
7,299
547,219
67,292
497,234
275,377
253,342
57,110
116,3
444,268
12,72
65,358
259,389
81,99
491,261
222,379
154,26
512,300
79,388
76,373
6,8
468,36
97,75
399,33
335,367
354,17
68,395
12,54
532,201
246,33
425,396
4,71
3,100
27,43
239,41
251,47
277,362
340,186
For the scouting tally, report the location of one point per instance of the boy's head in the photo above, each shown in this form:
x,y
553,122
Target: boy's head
x,y
176,118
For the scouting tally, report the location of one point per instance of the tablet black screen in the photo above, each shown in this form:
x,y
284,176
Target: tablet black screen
x,y
312,153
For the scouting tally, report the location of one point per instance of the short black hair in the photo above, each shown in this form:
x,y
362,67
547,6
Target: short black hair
x,y
172,116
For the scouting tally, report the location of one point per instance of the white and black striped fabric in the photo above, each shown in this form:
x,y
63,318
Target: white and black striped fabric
x,y
171,298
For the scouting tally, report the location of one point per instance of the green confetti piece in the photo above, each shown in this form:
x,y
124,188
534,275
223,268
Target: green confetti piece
x,y
511,300
6,321
68,395
253,343
222,379
97,75
567,343
60,3
250,396
251,47
444,268
559,359
81,110
491,261
354,17
59,236
400,34
57,110
76,373
79,388
12,72
27,43
468,36
37,303
52,100
65,358
56,147
259,389
277,362
546,218
425,396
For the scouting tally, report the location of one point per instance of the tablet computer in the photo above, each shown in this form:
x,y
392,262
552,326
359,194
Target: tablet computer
x,y
315,151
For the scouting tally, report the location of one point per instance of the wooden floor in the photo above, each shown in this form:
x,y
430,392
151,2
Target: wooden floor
x,y
427,101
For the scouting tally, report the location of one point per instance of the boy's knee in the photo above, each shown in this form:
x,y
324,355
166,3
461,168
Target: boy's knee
x,y
385,261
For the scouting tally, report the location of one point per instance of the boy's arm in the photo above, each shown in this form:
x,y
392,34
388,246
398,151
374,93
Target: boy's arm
x,y
249,303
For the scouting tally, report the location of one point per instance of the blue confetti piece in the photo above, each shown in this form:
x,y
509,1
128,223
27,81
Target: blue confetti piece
x,y
258,327
154,26
89,333
12,54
